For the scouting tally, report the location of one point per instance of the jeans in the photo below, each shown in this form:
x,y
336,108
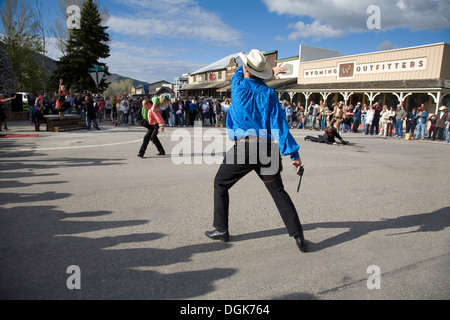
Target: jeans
x,y
131,117
171,119
232,170
88,123
366,127
322,123
180,119
312,119
69,109
447,134
289,120
421,130
399,128
31,112
345,127
356,123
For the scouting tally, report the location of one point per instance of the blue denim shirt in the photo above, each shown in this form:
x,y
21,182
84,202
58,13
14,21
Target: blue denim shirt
x,y
423,118
256,111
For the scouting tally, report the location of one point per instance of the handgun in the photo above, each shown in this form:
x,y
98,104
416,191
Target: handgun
x,y
300,173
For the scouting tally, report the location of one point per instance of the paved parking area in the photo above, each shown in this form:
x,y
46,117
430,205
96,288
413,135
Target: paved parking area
x,y
376,214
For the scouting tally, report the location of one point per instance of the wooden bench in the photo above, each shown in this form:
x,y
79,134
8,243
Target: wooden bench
x,y
71,122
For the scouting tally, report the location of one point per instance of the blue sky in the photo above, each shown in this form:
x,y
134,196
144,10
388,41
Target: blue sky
x,y
156,40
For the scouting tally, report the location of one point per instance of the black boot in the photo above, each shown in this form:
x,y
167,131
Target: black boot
x,y
221,235
301,244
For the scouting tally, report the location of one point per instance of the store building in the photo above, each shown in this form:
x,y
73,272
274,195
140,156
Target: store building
x,y
211,80
409,76
154,89
214,80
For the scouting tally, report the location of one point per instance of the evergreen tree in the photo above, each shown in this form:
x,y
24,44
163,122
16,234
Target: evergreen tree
x,y
85,47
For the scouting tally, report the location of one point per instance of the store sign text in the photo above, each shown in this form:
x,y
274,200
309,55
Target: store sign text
x,y
351,69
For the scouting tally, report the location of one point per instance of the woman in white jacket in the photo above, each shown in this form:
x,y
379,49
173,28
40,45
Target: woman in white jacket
x,y
369,118
383,120
389,116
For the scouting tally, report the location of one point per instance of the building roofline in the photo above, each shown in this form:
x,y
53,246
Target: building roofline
x,y
288,58
378,52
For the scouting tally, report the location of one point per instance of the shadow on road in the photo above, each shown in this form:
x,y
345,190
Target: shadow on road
x,y
425,222
40,241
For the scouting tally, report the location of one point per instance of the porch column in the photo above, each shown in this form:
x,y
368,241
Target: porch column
x,y
371,96
437,100
325,96
401,97
346,96
307,95
291,95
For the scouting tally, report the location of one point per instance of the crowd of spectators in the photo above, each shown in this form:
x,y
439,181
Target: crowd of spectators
x,y
186,111
370,120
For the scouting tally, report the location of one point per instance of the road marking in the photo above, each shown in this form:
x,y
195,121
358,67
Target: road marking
x,y
74,147
222,135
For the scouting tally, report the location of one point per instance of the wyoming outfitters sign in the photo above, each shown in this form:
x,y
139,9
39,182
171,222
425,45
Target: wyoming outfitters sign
x,y
348,70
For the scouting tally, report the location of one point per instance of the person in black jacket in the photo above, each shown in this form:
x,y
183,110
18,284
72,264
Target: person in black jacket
x,y
328,137
411,121
91,114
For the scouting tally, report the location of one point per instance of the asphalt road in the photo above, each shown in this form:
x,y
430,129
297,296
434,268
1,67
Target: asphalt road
x,y
134,228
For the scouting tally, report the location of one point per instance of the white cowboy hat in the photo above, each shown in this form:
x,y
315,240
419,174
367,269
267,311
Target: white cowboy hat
x,y
443,108
257,64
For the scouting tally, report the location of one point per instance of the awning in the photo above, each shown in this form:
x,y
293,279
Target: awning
x,y
204,86
378,86
273,83
280,83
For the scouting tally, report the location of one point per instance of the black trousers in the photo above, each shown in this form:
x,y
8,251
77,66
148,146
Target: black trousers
x,y
151,135
410,127
232,170
320,139
438,133
375,126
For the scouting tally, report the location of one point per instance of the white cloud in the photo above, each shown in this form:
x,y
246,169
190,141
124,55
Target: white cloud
x,y
314,30
147,38
174,19
147,64
334,18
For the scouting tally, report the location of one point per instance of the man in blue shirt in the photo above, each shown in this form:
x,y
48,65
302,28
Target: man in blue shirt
x,y
421,118
357,117
254,119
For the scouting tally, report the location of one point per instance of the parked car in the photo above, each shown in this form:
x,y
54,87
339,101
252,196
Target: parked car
x,y
24,96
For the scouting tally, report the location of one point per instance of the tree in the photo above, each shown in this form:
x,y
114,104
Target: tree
x,y
41,27
21,43
60,31
7,75
386,46
122,87
85,47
